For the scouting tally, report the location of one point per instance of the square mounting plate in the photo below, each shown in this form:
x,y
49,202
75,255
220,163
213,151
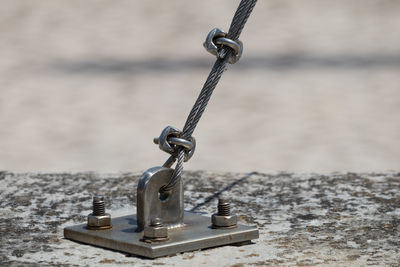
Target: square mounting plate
x,y
195,234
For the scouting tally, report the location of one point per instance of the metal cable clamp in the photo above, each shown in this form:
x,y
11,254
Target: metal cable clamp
x,y
171,140
216,40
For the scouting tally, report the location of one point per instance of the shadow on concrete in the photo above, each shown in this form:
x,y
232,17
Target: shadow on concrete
x,y
285,62
225,189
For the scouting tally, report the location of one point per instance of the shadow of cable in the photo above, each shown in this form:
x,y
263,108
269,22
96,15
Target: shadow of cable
x,y
226,188
282,62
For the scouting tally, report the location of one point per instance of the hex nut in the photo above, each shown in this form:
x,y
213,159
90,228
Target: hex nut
x,y
152,232
99,222
219,221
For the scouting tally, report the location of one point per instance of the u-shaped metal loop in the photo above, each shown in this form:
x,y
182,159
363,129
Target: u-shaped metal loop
x,y
228,42
189,145
181,142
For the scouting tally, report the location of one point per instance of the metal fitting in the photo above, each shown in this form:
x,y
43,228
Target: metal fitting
x,y
217,39
99,219
224,218
171,139
155,232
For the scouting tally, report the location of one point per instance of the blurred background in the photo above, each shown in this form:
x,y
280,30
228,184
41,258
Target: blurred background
x,y
86,85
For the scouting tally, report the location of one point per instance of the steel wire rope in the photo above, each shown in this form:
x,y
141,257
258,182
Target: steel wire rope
x,y
239,20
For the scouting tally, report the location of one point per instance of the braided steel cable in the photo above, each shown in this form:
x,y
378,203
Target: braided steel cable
x,y
239,20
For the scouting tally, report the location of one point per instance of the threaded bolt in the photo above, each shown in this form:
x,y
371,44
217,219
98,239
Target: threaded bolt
x,y
223,219
224,208
99,208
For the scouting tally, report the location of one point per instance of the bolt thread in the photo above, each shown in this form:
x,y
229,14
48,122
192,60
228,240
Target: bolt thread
x,y
224,208
99,208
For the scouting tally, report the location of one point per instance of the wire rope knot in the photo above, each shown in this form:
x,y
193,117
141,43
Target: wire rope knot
x,y
216,40
171,139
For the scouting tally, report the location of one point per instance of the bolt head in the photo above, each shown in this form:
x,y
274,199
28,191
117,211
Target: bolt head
x,y
98,198
152,232
103,222
222,201
156,222
219,221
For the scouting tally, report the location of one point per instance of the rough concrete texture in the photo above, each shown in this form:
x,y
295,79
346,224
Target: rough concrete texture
x,y
340,219
88,84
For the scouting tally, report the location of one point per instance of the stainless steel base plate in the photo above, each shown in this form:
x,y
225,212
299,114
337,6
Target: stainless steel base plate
x,y
196,234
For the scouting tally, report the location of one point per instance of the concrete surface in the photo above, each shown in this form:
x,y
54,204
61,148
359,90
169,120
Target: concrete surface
x,y
340,219
86,85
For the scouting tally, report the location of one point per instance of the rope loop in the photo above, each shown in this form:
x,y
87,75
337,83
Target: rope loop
x,y
216,40
171,141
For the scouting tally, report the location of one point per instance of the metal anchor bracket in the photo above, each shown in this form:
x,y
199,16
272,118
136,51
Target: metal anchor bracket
x,y
151,204
161,227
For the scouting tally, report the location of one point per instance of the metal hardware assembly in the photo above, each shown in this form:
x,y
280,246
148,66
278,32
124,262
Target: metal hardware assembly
x,y
161,226
196,234
224,218
155,232
170,140
99,219
216,39
151,203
